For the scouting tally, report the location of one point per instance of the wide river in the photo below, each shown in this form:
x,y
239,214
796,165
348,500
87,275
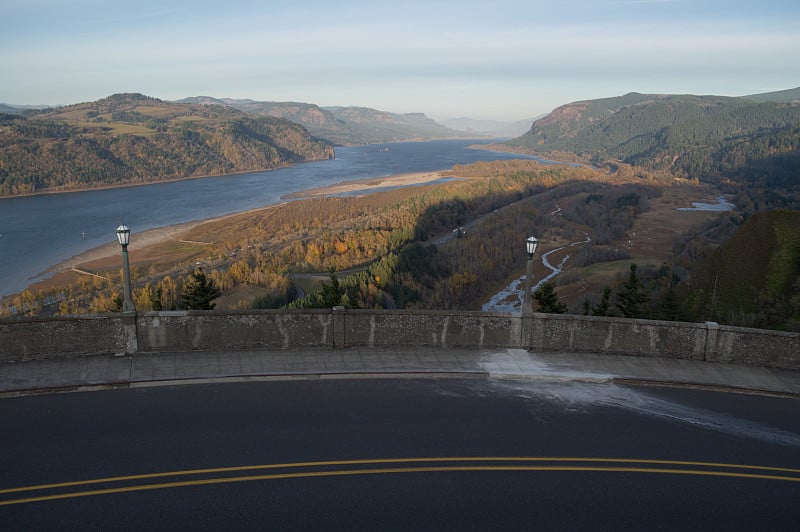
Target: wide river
x,y
38,232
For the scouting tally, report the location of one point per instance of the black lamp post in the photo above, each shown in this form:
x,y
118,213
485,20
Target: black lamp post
x,y
530,248
123,237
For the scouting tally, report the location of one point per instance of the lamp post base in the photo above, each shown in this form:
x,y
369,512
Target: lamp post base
x,y
127,299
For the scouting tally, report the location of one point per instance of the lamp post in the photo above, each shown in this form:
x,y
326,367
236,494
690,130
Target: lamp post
x,y
530,248
123,237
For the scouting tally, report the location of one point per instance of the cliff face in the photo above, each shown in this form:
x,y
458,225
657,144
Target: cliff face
x,y
131,138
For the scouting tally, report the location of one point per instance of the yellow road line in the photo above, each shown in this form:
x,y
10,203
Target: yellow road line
x,y
397,461
351,472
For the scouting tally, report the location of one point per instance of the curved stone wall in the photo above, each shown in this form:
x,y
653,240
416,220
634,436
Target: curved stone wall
x,y
32,339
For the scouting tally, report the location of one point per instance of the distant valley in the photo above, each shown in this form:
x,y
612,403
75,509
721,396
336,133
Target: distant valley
x,y
131,139
641,157
491,128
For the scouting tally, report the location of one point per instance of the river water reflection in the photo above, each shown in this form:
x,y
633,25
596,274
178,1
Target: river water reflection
x,y
37,232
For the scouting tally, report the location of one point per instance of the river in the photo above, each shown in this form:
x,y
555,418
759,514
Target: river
x,y
37,232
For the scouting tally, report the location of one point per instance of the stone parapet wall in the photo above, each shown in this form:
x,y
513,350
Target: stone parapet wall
x,y
667,339
32,339
43,338
211,331
396,328
757,347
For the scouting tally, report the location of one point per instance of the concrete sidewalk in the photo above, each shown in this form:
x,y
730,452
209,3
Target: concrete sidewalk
x,y
82,373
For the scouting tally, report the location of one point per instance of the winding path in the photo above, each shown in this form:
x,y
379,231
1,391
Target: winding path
x,y
510,298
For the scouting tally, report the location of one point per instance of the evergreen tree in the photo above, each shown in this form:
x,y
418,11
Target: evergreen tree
x,y
632,296
330,295
601,309
155,299
199,292
669,307
548,299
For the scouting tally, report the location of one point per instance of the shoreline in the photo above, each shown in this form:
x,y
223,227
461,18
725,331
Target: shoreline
x,y
143,240
159,235
146,183
240,172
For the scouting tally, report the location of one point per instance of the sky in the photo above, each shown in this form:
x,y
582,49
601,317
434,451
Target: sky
x,y
499,59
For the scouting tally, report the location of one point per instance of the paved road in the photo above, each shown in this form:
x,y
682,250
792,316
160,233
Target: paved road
x,y
431,453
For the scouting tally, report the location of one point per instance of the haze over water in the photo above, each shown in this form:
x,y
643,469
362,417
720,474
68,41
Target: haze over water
x,y
38,232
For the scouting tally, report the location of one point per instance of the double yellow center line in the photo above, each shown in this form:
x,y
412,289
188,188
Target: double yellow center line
x,y
334,468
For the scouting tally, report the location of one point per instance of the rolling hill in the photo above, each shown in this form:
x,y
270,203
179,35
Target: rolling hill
x,y
131,138
754,139
344,126
786,96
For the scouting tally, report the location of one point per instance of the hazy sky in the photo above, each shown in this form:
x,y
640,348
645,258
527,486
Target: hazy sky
x,y
498,59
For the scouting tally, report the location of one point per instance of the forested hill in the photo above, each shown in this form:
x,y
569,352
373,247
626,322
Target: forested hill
x,y
131,138
754,139
787,96
344,126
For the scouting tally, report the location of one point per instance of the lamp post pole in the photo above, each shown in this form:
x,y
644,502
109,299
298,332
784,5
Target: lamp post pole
x,y
530,248
123,237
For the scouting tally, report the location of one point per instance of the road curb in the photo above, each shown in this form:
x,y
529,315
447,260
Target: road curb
x,y
363,375
705,387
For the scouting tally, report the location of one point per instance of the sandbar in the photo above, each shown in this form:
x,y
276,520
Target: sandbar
x,y
393,181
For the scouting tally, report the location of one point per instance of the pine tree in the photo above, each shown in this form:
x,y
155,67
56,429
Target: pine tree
x,y
669,307
199,292
601,309
632,296
331,294
155,300
548,299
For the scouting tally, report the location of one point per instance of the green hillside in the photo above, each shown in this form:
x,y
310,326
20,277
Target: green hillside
x,y
713,138
345,126
787,96
131,138
754,278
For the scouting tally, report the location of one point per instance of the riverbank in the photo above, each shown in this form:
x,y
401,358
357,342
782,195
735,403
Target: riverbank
x,y
140,241
143,245
112,186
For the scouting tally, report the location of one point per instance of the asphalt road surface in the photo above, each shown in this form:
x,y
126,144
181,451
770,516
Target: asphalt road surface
x,y
435,454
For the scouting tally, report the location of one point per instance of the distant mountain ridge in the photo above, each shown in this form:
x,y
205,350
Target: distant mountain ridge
x,y
492,128
785,96
18,109
343,125
132,138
